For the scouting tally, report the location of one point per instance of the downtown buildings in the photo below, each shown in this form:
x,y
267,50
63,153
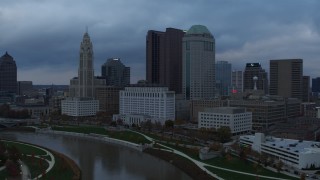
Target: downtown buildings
x,y
8,74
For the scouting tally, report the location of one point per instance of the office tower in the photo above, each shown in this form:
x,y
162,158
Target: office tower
x,y
252,70
223,77
198,63
8,74
306,88
316,85
108,99
286,78
164,58
115,73
84,85
237,82
25,88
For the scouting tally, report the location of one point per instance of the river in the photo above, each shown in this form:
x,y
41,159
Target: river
x,y
100,161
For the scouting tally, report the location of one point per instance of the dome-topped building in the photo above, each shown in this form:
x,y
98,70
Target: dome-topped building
x,y
198,64
8,74
199,30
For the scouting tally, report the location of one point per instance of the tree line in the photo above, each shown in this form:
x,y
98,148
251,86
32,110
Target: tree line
x,y
7,112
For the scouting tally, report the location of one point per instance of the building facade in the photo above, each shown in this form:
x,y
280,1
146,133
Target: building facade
x,y
108,99
255,70
164,58
198,52
306,88
78,107
25,88
237,82
115,73
223,78
237,119
155,102
297,153
316,85
286,78
8,74
84,85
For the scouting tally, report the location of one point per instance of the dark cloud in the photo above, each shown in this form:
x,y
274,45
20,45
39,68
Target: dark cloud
x,y
44,36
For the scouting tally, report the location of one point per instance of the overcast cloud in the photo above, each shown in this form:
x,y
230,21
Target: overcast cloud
x,y
44,36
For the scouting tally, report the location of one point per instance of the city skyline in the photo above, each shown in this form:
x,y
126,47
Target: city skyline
x,y
46,46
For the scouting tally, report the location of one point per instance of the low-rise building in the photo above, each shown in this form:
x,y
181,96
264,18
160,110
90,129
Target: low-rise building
x,y
79,107
237,119
296,153
156,102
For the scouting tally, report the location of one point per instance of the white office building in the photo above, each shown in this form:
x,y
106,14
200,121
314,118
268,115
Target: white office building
x,y
296,153
79,107
141,103
237,119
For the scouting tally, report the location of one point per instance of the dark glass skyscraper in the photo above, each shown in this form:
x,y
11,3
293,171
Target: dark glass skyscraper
x,y
116,73
252,70
8,74
164,58
286,78
223,78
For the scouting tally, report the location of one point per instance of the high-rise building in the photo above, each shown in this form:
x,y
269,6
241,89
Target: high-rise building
x,y
25,88
223,78
237,82
108,97
164,58
286,78
198,63
316,85
84,85
306,88
115,73
8,74
255,70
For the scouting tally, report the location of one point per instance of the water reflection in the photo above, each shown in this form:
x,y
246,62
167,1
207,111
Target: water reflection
x,y
103,161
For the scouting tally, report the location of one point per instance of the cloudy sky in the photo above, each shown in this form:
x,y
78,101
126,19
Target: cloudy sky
x,y
44,36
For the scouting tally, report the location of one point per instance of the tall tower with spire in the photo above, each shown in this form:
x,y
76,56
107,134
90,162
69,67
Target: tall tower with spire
x,y
85,71
86,83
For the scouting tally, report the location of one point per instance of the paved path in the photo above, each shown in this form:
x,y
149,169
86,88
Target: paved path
x,y
25,169
203,165
25,172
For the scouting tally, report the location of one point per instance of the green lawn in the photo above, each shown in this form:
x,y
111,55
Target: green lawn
x,y
81,129
25,148
128,136
60,170
36,166
234,163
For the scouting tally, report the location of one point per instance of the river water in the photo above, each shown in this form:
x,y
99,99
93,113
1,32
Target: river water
x,y
100,161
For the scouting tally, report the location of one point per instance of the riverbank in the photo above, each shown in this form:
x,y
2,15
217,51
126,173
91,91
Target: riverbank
x,y
185,165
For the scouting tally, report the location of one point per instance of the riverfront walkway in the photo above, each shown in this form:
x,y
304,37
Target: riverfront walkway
x,y
203,165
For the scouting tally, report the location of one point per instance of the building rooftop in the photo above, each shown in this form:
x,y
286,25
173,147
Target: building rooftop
x,y
226,110
198,29
289,145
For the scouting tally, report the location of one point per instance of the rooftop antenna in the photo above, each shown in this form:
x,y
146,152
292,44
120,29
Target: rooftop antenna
x,y
86,29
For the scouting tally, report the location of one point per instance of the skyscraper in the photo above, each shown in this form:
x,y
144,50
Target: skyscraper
x,y
237,82
316,85
115,73
306,88
164,58
223,77
8,74
252,70
198,63
286,78
84,85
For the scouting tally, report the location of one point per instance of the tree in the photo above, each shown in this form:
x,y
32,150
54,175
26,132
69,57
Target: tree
x,y
169,124
224,134
12,168
302,176
279,165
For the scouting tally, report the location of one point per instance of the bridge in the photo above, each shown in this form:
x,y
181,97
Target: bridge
x,y
7,123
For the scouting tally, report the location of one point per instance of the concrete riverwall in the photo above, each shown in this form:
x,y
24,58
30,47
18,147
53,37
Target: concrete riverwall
x,y
97,137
